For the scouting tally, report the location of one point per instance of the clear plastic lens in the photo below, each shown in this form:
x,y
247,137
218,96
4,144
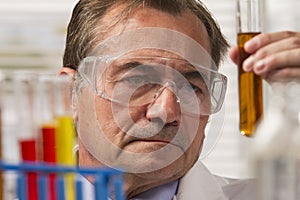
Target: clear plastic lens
x,y
136,81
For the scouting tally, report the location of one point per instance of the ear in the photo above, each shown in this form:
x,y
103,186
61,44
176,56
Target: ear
x,y
66,71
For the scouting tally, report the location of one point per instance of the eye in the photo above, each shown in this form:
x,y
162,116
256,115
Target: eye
x,y
189,87
196,88
134,80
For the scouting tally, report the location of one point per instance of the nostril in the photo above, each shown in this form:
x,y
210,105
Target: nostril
x,y
156,112
157,121
165,107
174,123
163,114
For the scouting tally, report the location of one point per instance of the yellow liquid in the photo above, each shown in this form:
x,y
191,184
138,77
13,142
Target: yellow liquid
x,y
250,91
65,140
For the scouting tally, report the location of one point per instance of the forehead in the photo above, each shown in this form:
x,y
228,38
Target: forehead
x,y
155,66
149,57
186,23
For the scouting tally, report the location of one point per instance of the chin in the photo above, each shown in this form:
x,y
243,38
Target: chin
x,y
168,173
151,160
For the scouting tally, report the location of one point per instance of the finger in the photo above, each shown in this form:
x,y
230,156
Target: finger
x,y
233,54
266,38
284,74
284,59
289,44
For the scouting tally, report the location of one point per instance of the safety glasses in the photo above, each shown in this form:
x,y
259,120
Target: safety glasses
x,y
140,80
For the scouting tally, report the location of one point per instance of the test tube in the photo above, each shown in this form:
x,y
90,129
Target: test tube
x,y
65,131
250,85
23,90
45,113
9,131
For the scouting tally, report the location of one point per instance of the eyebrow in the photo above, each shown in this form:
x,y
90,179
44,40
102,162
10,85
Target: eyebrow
x,y
187,71
118,68
196,75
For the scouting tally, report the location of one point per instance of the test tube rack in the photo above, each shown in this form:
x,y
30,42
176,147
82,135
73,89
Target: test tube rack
x,y
106,180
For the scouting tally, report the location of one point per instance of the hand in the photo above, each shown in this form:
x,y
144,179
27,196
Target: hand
x,y
275,56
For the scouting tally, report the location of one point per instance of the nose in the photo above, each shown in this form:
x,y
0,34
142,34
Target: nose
x,y
165,107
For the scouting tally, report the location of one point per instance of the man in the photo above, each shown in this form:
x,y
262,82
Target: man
x,y
146,82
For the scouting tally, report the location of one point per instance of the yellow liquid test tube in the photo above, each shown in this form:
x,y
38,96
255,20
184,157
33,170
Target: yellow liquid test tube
x,y
250,91
65,140
249,24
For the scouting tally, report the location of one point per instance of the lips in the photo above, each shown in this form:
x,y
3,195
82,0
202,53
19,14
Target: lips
x,y
164,133
169,134
145,143
154,143
150,140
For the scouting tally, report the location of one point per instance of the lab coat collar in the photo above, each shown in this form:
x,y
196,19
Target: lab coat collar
x,y
199,184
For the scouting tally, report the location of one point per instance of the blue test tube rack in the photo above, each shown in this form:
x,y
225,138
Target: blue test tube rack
x,y
103,178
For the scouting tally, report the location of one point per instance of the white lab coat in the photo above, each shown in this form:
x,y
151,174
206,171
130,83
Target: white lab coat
x,y
200,184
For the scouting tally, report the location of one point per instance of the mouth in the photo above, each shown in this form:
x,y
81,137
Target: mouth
x,y
169,137
154,141
142,145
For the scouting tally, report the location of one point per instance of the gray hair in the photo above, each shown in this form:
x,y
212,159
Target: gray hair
x,y
85,29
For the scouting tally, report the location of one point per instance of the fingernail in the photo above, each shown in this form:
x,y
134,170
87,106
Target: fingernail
x,y
259,65
248,64
251,45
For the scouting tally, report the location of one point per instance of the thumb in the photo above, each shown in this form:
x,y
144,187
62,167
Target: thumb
x,y
233,54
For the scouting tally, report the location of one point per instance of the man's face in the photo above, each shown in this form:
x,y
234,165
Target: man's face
x,y
163,113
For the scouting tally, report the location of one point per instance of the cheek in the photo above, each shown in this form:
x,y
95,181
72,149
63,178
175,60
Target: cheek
x,y
108,112
201,131
116,119
196,145
202,123
105,118
193,152
103,112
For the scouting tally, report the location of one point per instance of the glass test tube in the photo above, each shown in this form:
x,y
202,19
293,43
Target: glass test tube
x,y
24,95
250,85
9,131
45,113
65,131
